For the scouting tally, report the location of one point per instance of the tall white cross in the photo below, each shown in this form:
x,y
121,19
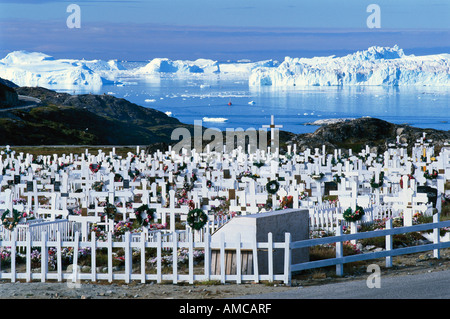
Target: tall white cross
x,y
272,127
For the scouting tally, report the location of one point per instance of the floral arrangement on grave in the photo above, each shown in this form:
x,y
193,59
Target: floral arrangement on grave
x,y
144,214
196,218
287,202
352,216
374,184
110,210
95,167
318,177
123,226
410,177
272,187
433,175
302,196
97,186
11,222
118,178
208,184
247,174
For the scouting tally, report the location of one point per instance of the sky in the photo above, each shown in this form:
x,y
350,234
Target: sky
x,y
139,30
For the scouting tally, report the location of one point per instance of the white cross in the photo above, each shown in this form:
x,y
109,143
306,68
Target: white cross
x,y
272,127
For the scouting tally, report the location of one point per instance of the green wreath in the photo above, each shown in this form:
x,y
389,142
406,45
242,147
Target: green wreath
x,y
196,218
373,184
144,209
433,175
272,187
110,210
11,224
351,216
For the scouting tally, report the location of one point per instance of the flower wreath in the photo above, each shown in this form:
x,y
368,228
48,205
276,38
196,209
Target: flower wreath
x,y
208,184
110,210
272,187
94,167
11,224
196,218
433,175
373,184
144,209
351,216
97,186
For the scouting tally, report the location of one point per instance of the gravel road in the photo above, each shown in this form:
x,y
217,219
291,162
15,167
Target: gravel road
x,y
403,266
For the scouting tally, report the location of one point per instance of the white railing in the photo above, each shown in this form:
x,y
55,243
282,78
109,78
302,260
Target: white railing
x,y
65,227
142,275
387,253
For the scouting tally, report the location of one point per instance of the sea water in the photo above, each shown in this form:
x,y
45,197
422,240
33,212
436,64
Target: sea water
x,y
232,103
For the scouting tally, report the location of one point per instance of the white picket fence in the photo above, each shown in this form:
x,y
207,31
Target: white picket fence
x,y
35,229
173,244
129,272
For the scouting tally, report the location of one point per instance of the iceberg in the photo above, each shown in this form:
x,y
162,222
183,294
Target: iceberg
x,y
374,66
215,119
39,69
164,65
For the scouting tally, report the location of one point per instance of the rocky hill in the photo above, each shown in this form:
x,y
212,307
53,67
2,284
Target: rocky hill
x,y
87,119
64,119
8,96
356,134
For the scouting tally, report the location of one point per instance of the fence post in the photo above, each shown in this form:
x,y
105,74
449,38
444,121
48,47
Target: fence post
x,y
128,261
287,258
191,257
44,256
110,262
75,257
436,235
28,261
158,258
270,255
339,251
388,243
143,241
174,256
207,256
93,256
13,255
59,255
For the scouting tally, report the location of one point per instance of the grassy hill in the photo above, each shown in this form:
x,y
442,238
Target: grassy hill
x,y
64,119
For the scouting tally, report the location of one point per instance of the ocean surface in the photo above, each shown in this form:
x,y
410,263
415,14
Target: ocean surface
x,y
195,97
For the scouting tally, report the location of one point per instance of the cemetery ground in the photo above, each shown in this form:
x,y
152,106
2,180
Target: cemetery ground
x,y
409,264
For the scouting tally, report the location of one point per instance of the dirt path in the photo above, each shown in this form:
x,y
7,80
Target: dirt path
x,y
402,265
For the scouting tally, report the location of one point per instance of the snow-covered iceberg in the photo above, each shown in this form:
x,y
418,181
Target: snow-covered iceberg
x,y
374,66
39,69
180,67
